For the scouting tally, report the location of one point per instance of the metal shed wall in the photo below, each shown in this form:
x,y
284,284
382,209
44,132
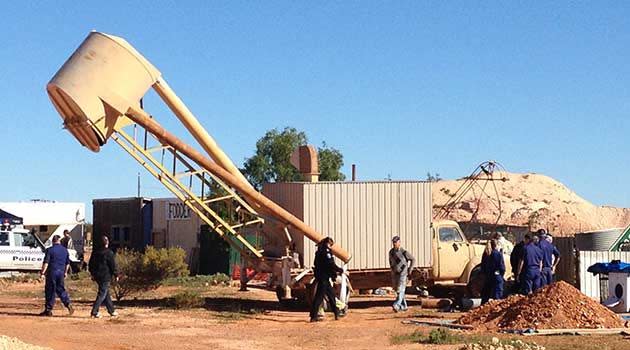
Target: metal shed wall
x,y
122,213
362,217
597,240
171,232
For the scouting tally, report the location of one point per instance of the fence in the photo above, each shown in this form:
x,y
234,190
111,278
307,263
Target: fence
x,y
566,269
590,284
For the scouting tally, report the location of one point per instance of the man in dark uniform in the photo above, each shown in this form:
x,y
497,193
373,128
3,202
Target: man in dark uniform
x,y
55,269
551,257
103,269
530,266
515,258
325,270
494,269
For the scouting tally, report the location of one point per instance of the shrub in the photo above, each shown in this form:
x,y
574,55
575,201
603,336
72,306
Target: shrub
x,y
442,336
187,300
199,281
143,272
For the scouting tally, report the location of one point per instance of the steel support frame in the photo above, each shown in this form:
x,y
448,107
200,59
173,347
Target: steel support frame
x,y
198,204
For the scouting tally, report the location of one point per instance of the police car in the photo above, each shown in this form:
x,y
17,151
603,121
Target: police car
x,y
23,251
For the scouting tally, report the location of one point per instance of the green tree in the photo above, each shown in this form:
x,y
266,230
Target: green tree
x,y
271,163
330,163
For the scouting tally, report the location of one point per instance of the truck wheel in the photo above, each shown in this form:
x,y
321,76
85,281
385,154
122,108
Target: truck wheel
x,y
75,267
475,283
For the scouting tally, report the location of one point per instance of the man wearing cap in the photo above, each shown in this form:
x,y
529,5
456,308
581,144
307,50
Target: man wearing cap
x,y
55,268
551,257
401,262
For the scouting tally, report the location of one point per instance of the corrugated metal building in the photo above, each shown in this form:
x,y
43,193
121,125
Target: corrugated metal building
x,y
127,221
361,216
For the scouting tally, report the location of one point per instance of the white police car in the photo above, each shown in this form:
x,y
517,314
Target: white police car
x,y
23,251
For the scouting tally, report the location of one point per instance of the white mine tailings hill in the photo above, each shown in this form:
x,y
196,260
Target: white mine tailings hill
x,y
533,200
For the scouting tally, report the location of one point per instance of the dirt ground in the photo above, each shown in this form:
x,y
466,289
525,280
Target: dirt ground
x,y
229,320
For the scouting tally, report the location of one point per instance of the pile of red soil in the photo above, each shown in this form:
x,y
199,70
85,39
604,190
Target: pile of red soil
x,y
556,306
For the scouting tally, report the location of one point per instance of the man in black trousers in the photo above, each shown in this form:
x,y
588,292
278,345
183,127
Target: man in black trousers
x,y
325,270
102,267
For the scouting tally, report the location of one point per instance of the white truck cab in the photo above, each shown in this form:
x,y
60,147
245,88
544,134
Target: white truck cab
x,y
22,251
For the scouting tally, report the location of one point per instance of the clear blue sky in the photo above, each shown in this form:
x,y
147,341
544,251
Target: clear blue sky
x,y
400,88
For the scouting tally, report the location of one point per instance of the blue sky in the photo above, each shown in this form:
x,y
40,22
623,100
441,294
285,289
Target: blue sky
x,y
401,88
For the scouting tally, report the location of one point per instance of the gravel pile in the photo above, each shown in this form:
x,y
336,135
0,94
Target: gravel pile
x,y
559,305
7,343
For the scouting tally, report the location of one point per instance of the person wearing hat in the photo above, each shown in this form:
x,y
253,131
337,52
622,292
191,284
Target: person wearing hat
x,y
400,262
550,258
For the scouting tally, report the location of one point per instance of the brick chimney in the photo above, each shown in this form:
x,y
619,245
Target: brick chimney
x,y
304,159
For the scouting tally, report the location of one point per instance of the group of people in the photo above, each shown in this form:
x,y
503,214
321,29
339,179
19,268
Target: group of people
x,y
533,261
102,267
326,271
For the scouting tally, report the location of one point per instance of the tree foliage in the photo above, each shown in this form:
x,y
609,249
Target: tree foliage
x,y
330,163
271,162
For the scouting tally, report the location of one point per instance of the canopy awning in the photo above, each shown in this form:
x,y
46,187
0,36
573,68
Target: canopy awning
x,y
6,217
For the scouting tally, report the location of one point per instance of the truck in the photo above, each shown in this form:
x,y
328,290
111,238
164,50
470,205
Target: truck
x,y
363,216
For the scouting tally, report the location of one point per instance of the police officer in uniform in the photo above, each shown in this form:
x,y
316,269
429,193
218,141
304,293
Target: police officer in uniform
x,y
325,270
493,266
551,257
515,259
530,267
55,269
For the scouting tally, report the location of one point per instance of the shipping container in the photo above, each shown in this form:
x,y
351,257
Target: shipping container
x,y
124,220
360,216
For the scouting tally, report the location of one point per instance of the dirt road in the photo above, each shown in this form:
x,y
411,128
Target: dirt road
x,y
232,320
229,319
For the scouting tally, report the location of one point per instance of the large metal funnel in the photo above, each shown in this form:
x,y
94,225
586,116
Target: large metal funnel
x,y
103,65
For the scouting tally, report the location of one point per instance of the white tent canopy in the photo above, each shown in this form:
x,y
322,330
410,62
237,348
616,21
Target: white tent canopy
x,y
46,212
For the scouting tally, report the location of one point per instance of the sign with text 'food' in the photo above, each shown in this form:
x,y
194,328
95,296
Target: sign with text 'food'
x,y
177,211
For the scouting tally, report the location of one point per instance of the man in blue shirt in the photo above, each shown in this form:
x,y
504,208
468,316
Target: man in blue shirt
x,y
530,266
55,269
551,257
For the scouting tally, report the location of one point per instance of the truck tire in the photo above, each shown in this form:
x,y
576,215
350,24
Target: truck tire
x,y
475,283
75,267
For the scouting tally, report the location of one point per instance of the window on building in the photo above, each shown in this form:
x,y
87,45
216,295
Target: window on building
x,y
116,234
43,228
125,234
450,234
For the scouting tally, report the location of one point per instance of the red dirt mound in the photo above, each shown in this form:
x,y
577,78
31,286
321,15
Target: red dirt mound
x,y
559,305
